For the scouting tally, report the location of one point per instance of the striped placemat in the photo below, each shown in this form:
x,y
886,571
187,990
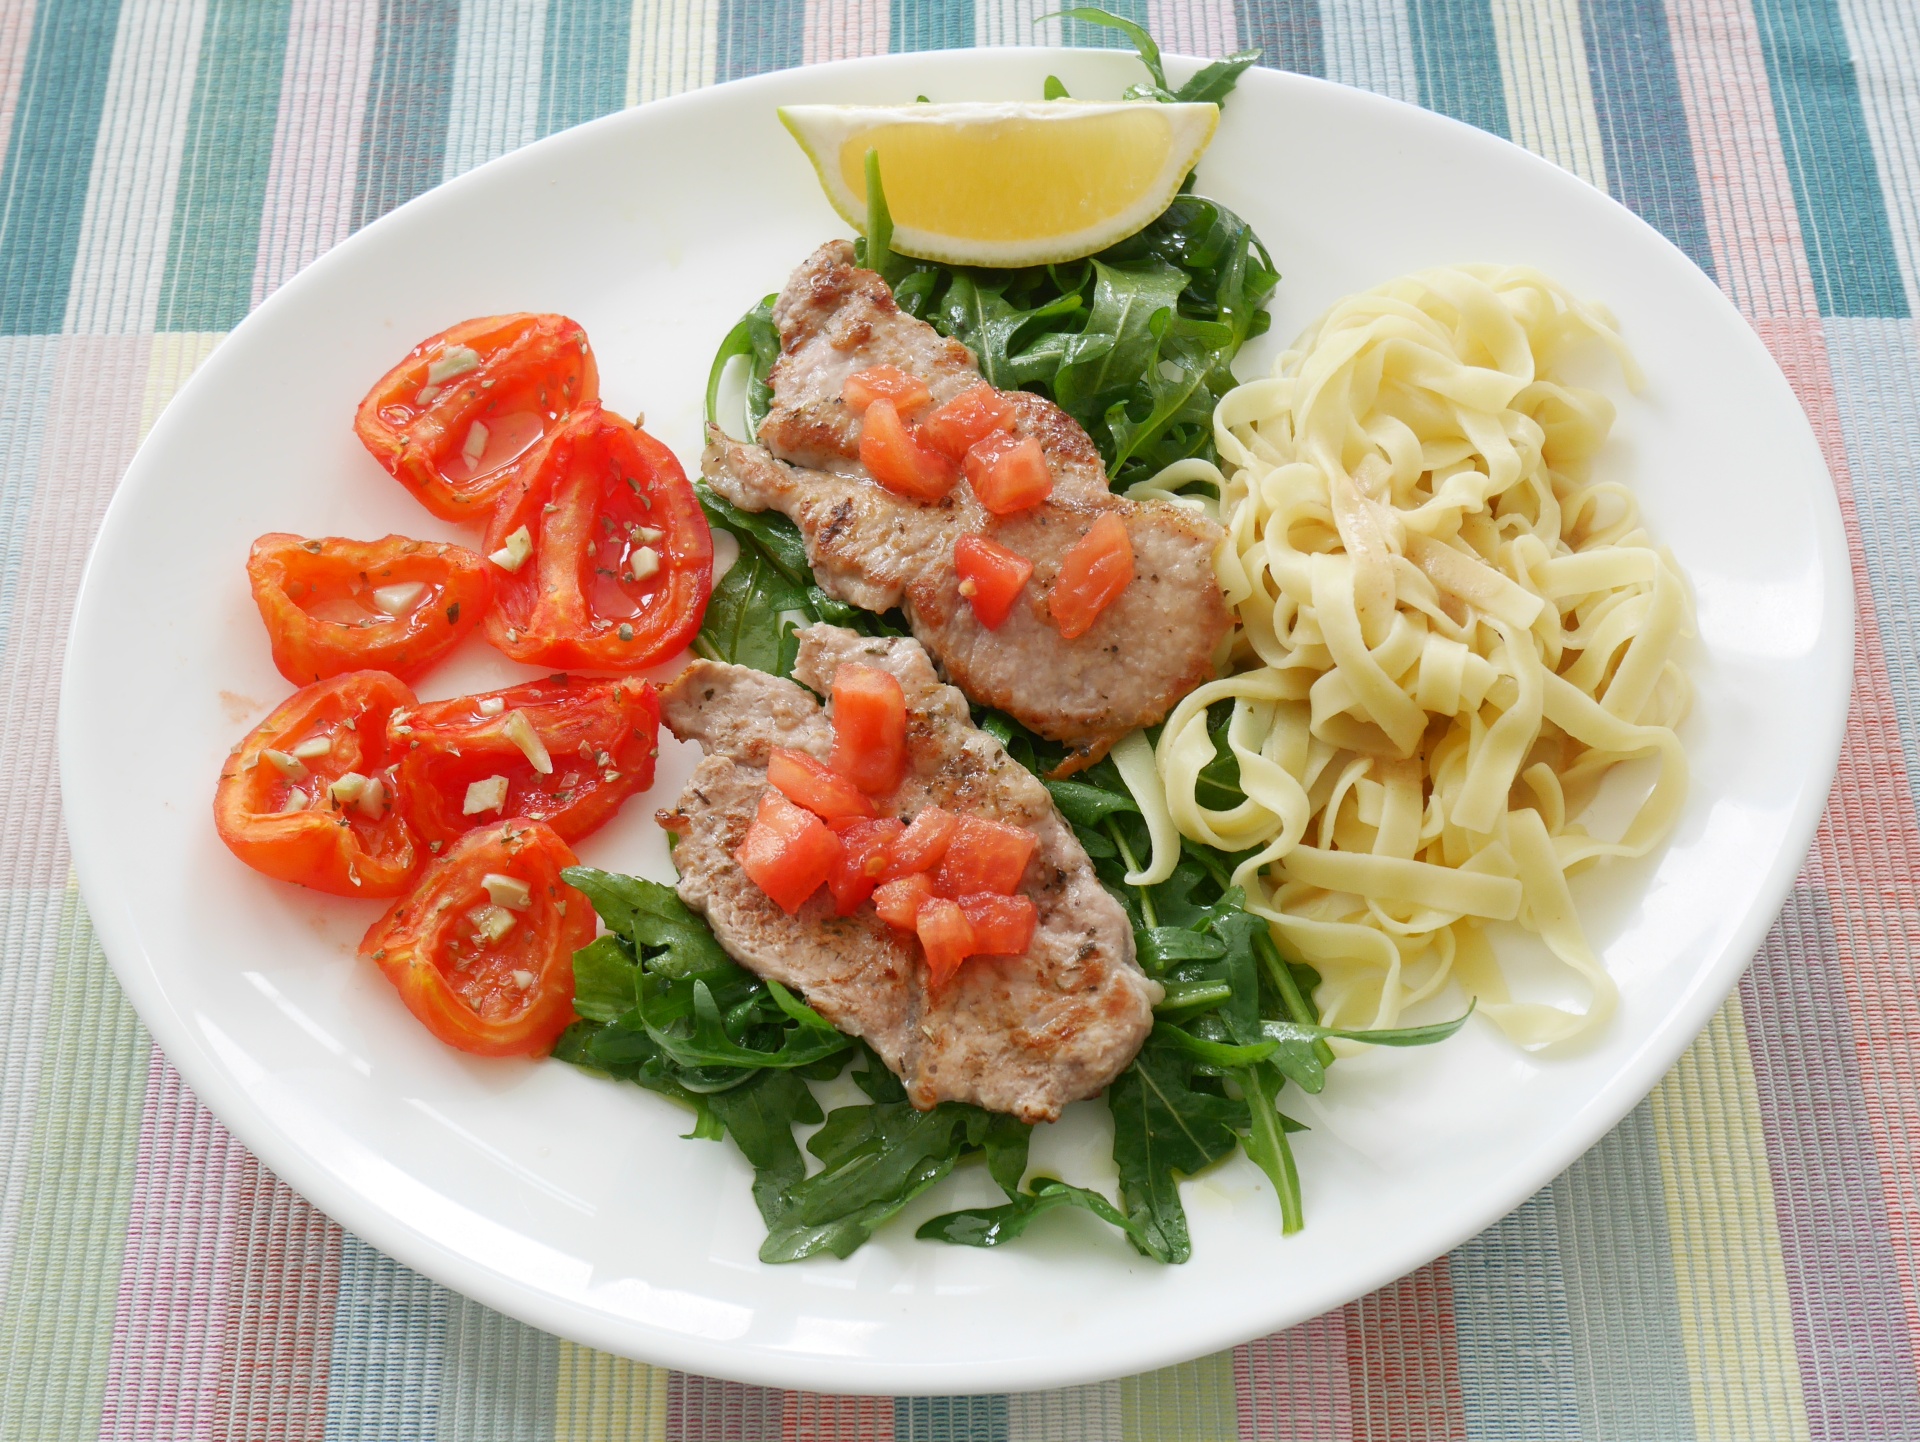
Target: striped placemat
x,y
1737,1260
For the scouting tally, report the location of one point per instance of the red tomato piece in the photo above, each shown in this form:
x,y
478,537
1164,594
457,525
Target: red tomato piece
x,y
1002,925
991,578
334,605
956,427
308,797
866,847
899,901
898,459
465,763
788,852
1093,573
946,936
863,388
488,969
922,844
984,856
816,786
1009,473
600,552
455,420
869,728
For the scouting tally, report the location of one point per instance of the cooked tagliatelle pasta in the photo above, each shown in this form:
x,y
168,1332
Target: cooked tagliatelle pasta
x,y
1448,635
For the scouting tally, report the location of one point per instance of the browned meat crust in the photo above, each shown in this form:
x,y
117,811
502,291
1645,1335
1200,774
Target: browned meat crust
x,y
1022,1034
878,550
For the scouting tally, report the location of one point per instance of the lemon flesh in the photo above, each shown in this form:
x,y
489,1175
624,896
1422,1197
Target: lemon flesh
x,y
1006,184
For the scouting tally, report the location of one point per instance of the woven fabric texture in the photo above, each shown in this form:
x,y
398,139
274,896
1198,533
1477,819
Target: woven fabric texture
x,y
1739,1259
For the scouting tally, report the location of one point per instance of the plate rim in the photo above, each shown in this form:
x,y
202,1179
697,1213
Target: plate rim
x,y
1703,994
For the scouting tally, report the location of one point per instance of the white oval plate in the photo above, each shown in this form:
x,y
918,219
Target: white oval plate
x,y
572,1202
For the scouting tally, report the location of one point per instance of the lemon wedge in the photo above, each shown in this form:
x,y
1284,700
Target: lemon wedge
x,y
1006,183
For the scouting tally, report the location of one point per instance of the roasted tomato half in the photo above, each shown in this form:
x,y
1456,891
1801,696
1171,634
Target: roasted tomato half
x,y
334,605
308,795
455,419
482,949
604,555
563,751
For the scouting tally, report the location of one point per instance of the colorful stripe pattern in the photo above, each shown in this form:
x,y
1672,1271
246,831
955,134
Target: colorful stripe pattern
x,y
1740,1258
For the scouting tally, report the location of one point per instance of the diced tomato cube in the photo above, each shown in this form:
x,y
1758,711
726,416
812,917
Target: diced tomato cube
x,y
946,936
817,786
898,459
1093,573
984,856
863,388
1002,925
866,848
899,901
976,412
869,728
921,846
788,852
991,578
1008,473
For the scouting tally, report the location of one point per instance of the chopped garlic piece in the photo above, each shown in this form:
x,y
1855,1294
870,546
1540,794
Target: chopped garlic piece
x,y
523,979
284,764
519,730
508,891
455,360
643,563
513,554
476,442
645,535
314,746
372,799
400,598
348,788
297,800
488,795
492,922
492,706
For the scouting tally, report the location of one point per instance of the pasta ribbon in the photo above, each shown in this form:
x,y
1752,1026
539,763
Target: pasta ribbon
x,y
1447,636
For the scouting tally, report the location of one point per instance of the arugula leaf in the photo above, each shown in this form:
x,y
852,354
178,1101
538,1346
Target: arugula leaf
x,y
1266,1142
772,532
744,613
754,337
665,1005
993,1226
1162,1126
656,922
604,973
1134,31
1213,82
760,1116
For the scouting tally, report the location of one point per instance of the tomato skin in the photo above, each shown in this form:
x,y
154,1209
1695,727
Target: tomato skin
x,y
1002,925
1009,473
976,413
922,844
461,985
532,371
984,856
327,846
595,500
863,388
869,728
866,847
816,786
899,901
1093,573
898,459
788,852
991,578
445,746
946,936
292,575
